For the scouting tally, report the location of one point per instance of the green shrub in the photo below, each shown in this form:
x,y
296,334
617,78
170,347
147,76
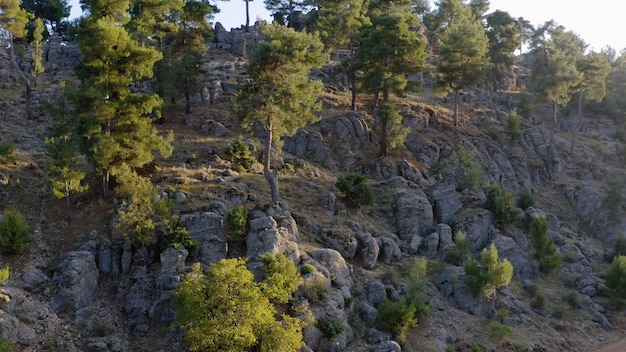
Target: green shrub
x,y
498,331
538,298
619,248
357,191
6,149
240,155
397,317
4,275
475,348
526,103
237,219
545,250
331,327
461,251
307,269
490,275
512,128
6,345
616,280
471,169
525,199
502,204
14,233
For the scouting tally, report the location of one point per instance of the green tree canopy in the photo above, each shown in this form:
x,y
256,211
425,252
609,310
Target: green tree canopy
x,y
555,74
116,124
53,11
224,309
390,50
463,60
504,39
280,96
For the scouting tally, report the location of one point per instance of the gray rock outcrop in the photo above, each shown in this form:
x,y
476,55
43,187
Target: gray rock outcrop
x,y
75,281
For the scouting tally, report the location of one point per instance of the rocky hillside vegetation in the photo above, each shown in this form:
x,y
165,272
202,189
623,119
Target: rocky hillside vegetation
x,y
81,286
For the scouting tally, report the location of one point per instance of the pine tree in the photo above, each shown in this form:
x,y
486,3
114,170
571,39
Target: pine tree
x,y
545,250
616,280
594,68
555,75
14,20
504,39
463,61
280,96
390,50
490,274
116,124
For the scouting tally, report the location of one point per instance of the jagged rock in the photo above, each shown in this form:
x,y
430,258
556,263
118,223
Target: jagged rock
x,y
414,214
387,346
206,228
334,262
431,244
268,236
75,281
105,263
26,335
412,174
415,244
445,238
369,250
127,257
375,292
138,294
9,326
34,280
475,222
509,249
368,313
342,241
427,151
389,248
214,128
173,259
447,202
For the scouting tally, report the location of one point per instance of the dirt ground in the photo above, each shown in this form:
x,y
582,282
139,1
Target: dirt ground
x,y
619,346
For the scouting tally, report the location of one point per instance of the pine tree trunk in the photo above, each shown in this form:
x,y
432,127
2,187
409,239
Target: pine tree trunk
x,y
577,126
247,15
25,80
272,178
105,184
456,108
68,203
384,123
352,78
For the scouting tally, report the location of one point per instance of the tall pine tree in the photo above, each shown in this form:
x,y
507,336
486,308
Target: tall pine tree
x,y
463,60
390,50
116,123
280,96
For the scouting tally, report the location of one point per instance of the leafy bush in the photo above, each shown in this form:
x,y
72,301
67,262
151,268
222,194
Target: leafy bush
x,y
4,275
307,269
6,149
545,250
461,251
6,345
357,191
14,233
490,275
237,219
502,204
525,199
240,155
616,280
526,103
282,277
400,316
538,298
512,128
619,248
331,327
471,169
498,331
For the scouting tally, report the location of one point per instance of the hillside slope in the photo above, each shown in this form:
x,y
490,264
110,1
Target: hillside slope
x,y
361,254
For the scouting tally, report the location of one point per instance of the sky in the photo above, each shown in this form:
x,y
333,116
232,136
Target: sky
x,y
600,23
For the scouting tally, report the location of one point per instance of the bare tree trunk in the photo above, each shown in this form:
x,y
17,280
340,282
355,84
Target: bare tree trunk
x,y
25,80
247,15
549,168
384,122
456,108
105,184
68,202
272,178
352,78
577,126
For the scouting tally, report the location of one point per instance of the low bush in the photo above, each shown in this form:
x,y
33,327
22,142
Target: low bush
x,y
307,269
525,199
357,191
14,232
616,280
240,155
545,249
237,219
490,274
6,149
331,327
502,204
